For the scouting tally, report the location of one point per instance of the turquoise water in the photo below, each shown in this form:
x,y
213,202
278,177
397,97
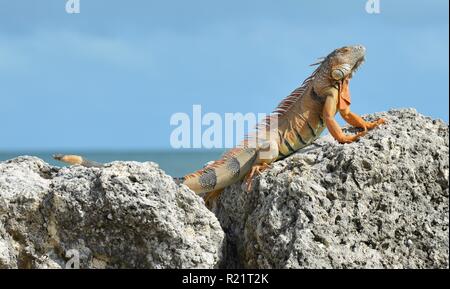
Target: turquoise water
x,y
174,162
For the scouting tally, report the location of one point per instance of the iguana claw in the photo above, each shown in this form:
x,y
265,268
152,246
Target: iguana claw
x,y
374,124
256,170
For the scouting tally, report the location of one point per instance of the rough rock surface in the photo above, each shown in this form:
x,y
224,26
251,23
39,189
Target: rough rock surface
x,y
381,202
127,215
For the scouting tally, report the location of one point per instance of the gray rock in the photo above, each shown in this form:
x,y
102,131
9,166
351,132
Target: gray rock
x,y
126,215
381,202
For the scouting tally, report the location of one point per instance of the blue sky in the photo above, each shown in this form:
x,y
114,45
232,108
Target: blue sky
x,y
112,76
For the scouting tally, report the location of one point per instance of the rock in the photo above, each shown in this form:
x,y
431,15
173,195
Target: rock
x,y
126,215
381,202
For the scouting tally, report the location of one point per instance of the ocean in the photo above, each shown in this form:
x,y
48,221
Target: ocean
x,y
175,163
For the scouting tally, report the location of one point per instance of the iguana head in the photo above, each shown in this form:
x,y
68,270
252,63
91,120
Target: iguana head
x,y
342,62
338,66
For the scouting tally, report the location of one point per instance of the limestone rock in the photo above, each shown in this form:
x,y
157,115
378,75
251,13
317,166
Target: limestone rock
x,y
126,215
381,202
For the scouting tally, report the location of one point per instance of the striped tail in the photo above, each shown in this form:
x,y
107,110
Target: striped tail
x,y
232,167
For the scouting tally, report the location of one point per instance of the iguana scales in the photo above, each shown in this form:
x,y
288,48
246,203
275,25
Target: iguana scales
x,y
299,120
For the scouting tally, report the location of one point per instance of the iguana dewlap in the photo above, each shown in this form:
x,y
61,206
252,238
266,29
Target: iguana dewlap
x,y
344,96
300,118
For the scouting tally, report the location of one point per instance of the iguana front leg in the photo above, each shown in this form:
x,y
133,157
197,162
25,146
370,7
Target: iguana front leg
x,y
357,121
329,111
351,117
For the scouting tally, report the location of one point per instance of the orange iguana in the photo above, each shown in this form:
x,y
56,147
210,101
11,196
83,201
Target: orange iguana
x,y
298,120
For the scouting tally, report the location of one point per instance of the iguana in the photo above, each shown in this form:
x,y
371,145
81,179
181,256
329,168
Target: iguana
x,y
297,121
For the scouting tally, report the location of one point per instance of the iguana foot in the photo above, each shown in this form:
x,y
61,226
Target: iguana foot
x,y
367,126
373,124
256,170
351,138
210,197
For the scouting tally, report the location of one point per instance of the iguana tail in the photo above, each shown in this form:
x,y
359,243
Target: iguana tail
x,y
232,167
